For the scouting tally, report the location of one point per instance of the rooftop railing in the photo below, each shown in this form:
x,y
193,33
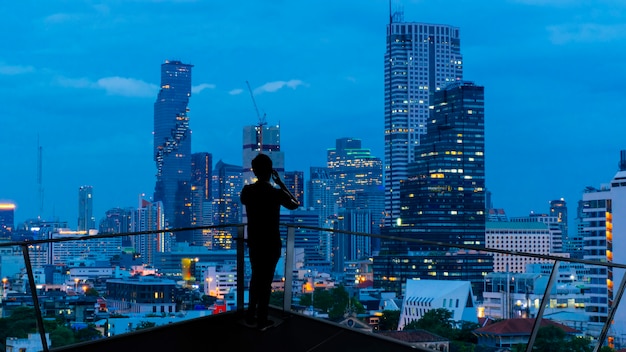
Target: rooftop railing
x,y
599,339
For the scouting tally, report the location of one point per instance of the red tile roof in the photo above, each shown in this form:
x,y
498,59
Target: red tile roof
x,y
519,326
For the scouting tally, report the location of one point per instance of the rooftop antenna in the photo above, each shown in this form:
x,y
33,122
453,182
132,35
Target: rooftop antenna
x,y
40,177
261,122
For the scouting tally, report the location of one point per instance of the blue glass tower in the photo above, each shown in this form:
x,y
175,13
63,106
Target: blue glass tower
x,y
172,146
443,198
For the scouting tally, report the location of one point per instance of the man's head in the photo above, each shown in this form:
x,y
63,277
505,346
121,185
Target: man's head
x,y
262,167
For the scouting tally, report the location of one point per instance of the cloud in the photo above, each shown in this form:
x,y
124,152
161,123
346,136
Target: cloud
x,y
199,88
236,91
128,87
586,33
10,70
271,87
61,18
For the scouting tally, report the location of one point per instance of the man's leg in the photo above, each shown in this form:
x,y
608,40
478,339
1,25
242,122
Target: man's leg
x,y
253,294
265,286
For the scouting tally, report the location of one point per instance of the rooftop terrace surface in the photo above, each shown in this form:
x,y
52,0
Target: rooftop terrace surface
x,y
226,332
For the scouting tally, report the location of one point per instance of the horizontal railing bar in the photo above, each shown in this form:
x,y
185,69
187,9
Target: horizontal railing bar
x,y
392,238
470,247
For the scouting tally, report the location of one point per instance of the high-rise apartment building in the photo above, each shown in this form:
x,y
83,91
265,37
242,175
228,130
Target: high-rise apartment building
x,y
420,60
603,230
172,146
554,227
529,237
149,217
86,220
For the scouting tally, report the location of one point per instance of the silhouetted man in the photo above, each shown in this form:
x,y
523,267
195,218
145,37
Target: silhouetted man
x,y
263,201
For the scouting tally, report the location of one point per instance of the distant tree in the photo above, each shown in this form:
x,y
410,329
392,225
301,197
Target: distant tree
x,y
606,349
21,322
340,303
438,321
463,332
389,320
91,292
322,299
87,334
61,336
578,344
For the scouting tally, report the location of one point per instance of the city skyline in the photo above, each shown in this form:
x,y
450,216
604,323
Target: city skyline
x,y
543,65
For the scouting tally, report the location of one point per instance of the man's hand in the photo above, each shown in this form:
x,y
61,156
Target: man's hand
x,y
276,177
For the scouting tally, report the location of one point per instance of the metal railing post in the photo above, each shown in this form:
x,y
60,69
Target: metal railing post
x,y
545,300
33,292
240,267
289,259
609,319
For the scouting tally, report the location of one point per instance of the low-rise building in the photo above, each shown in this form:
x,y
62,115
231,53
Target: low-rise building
x,y
510,332
423,295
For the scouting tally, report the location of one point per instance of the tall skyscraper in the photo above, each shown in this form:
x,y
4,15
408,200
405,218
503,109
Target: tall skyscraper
x,y
270,146
443,198
172,146
420,60
201,207
86,220
321,195
7,219
294,180
201,173
558,209
353,169
227,185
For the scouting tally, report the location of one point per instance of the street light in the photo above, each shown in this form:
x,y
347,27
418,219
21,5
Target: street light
x,y
76,284
4,287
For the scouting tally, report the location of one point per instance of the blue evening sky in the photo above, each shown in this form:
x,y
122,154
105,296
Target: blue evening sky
x,y
80,78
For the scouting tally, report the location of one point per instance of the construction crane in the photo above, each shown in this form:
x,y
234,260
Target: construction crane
x,y
261,122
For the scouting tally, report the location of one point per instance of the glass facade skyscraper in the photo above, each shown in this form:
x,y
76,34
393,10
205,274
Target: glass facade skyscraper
x,y
420,60
86,220
172,146
443,198
353,169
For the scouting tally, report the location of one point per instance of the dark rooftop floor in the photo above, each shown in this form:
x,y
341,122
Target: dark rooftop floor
x,y
226,332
